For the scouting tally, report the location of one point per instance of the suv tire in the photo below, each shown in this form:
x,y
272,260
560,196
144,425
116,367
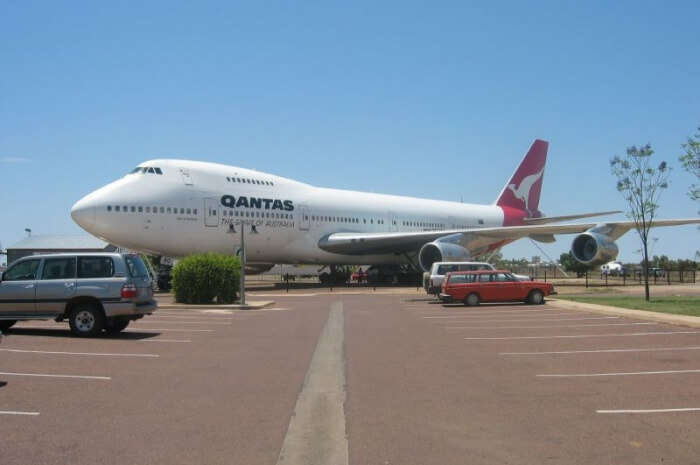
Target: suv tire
x,y
86,320
472,300
7,324
116,325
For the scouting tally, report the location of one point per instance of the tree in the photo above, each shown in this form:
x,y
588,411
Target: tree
x,y
641,185
569,263
691,163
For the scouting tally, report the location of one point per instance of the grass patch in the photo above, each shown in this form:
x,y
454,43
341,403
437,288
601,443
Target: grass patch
x,y
687,305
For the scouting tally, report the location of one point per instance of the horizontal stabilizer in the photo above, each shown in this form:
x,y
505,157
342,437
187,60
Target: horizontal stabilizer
x,y
556,219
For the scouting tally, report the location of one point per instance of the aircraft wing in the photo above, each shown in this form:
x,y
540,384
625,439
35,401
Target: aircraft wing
x,y
476,240
556,219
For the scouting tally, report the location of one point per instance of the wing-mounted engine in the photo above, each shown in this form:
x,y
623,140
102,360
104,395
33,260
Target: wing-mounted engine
x,y
442,250
593,248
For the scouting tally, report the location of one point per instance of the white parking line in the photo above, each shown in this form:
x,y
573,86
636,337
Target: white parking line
x,y
162,340
175,330
602,351
44,375
629,373
193,317
541,327
213,323
491,312
661,410
657,333
467,317
102,354
10,412
530,319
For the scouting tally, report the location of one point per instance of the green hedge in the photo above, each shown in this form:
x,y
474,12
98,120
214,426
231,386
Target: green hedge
x,y
198,279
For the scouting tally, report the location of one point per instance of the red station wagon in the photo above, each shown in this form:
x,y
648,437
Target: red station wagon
x,y
473,287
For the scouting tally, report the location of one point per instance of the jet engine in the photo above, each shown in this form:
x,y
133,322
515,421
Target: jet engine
x,y
593,249
440,251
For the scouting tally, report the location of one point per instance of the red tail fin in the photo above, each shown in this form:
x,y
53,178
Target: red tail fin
x,y
522,192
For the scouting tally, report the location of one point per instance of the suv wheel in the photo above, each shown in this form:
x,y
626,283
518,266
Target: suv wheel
x,y
536,297
86,320
471,300
7,324
115,325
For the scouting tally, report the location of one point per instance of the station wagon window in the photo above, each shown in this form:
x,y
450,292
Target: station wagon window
x,y
59,268
484,278
95,267
460,278
502,277
23,271
137,269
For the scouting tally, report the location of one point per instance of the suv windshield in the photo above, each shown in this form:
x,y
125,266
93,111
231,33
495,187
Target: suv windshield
x,y
137,269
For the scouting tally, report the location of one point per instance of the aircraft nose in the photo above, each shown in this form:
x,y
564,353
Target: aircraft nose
x,y
83,213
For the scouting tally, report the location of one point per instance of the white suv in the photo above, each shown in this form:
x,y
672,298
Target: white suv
x,y
432,280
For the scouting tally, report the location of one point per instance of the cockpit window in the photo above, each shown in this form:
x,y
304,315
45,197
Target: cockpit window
x,y
135,170
158,171
151,170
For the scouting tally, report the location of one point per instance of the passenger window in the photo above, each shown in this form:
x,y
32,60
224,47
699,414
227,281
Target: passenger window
x,y
125,209
182,211
162,209
59,268
189,211
140,209
95,267
170,210
194,212
484,278
155,209
116,208
23,271
133,209
148,209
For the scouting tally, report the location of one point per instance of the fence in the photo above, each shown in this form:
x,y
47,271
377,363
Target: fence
x,y
593,278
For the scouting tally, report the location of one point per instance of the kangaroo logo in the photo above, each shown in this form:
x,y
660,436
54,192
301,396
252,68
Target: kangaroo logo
x,y
522,192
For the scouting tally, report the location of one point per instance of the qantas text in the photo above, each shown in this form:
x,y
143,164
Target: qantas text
x,y
230,201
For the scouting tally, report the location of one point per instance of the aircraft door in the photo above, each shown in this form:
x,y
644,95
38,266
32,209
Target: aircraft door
x,y
211,213
186,178
305,218
394,225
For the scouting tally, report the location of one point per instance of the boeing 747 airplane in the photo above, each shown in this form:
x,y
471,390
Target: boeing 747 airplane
x,y
180,207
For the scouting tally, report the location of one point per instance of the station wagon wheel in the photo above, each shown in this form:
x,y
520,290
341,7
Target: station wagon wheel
x,y
471,300
86,320
536,297
7,324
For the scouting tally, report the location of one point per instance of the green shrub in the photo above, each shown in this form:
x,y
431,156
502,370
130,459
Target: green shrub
x,y
198,279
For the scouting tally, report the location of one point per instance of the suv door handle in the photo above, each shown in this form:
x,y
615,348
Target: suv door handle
x,y
29,286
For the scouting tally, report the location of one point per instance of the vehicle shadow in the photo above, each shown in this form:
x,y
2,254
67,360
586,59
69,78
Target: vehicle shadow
x,y
65,333
3,384
487,305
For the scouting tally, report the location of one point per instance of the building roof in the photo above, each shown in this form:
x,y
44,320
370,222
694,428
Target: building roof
x,y
59,243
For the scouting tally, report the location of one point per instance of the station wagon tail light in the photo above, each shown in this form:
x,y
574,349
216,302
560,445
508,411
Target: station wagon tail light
x,y
128,291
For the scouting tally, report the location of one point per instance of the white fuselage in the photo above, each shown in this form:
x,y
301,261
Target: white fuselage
x,y
189,207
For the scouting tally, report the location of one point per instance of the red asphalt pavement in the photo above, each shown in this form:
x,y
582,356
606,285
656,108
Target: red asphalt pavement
x,y
418,392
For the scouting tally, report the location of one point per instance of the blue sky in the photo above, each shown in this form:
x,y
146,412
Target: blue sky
x,y
429,99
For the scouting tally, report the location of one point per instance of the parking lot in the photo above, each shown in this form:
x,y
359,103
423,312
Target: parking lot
x,y
423,384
